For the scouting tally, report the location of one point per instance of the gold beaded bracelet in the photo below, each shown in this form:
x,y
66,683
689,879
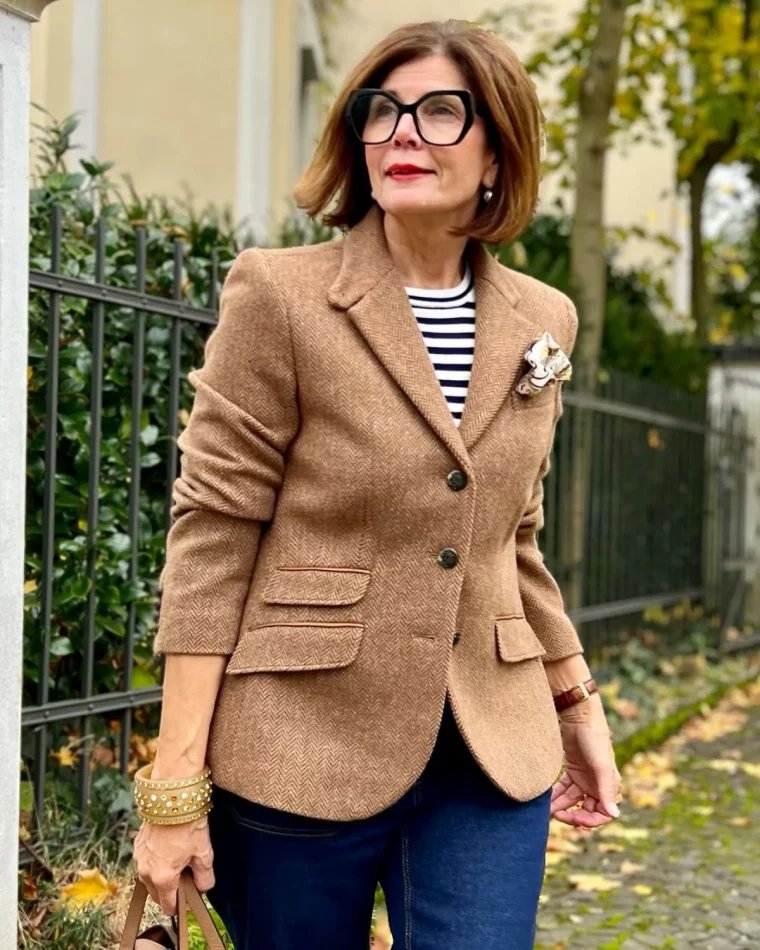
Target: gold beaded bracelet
x,y
172,802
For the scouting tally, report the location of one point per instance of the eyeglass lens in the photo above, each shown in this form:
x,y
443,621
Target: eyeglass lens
x,y
441,118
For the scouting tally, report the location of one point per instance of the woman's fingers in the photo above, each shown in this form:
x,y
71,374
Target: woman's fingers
x,y
561,785
569,797
202,868
582,818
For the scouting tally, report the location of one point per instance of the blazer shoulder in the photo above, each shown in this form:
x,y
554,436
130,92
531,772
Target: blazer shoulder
x,y
292,267
548,304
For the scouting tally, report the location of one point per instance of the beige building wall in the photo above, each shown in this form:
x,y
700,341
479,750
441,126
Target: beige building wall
x,y
187,96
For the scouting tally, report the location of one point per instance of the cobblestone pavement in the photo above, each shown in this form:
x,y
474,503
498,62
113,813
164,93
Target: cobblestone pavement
x,y
687,874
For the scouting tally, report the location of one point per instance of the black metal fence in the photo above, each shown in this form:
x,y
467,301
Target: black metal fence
x,y
660,517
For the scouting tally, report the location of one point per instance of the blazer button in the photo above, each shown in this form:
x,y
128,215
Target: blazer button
x,y
456,637
457,480
447,557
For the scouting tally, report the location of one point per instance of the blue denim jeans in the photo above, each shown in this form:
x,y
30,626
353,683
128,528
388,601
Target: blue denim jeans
x,y
460,863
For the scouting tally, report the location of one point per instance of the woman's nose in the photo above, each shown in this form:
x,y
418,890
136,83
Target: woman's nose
x,y
406,131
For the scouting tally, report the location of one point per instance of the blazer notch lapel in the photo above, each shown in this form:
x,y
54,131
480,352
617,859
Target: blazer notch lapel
x,y
502,333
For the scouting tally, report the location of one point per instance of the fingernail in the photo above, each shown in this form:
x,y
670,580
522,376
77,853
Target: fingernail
x,y
613,810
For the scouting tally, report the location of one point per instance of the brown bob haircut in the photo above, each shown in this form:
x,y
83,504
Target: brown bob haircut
x,y
514,122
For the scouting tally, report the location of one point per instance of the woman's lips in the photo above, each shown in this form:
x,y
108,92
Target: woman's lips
x,y
407,173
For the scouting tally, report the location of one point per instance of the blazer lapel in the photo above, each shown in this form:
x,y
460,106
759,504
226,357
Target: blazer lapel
x,y
369,290
502,334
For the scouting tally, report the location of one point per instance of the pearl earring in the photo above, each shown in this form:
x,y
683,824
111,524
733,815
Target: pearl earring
x,y
487,195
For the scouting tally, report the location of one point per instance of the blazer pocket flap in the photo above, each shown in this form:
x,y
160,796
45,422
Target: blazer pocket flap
x,y
286,647
332,586
516,640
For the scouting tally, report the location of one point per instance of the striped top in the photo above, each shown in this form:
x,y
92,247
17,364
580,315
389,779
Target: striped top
x,y
446,319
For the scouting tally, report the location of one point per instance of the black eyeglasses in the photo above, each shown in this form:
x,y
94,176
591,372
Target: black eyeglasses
x,y
442,117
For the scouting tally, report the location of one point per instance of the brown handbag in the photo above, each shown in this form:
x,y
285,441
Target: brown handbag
x,y
160,937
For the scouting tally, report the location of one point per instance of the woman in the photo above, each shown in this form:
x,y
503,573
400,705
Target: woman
x,y
362,639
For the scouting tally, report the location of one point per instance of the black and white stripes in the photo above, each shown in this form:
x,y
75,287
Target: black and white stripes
x,y
447,321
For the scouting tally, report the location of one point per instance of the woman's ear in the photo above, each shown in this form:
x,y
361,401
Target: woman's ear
x,y
492,173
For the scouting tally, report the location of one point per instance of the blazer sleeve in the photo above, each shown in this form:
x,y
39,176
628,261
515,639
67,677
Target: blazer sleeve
x,y
539,591
244,415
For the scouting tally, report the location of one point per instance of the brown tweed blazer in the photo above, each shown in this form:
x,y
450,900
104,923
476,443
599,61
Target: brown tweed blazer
x,y
312,507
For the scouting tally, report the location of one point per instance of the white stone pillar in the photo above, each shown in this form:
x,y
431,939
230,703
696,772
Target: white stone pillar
x,y
16,18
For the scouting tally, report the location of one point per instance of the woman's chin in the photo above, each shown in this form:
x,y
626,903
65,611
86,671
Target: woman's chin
x,y
402,205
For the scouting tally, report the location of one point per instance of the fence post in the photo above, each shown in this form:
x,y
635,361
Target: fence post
x,y
16,17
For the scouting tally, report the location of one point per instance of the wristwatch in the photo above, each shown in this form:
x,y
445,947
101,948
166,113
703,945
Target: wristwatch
x,y
576,694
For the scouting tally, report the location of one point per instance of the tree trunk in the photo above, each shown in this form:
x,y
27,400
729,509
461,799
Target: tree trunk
x,y
588,270
701,302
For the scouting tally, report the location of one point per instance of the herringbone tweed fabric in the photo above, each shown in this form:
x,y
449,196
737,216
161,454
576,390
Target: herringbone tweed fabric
x,y
309,515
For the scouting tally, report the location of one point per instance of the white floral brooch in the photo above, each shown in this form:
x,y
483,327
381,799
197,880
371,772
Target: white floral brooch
x,y
548,363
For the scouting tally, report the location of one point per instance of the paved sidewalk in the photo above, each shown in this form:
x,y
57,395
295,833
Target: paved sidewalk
x,y
682,875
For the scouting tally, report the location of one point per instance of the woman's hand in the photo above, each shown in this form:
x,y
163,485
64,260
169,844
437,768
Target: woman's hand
x,y
162,852
591,775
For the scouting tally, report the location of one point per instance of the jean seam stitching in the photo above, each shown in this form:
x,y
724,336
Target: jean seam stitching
x,y
407,890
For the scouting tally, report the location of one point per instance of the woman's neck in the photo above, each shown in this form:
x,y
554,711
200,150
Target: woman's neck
x,y
425,256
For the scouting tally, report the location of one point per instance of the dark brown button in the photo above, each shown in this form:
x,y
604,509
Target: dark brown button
x,y
457,636
457,480
448,557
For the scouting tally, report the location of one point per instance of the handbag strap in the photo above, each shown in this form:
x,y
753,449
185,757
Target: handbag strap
x,y
134,915
188,898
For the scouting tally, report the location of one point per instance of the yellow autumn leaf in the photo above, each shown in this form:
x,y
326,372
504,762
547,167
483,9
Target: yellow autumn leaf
x,y
607,847
741,821
30,587
64,756
565,845
616,830
554,857
91,887
738,272
592,882
704,810
644,889
723,765
629,867
751,768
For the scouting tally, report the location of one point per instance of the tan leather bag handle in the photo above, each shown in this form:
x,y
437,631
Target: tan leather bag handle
x,y
188,898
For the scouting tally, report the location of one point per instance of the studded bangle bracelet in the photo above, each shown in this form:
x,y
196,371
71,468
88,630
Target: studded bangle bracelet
x,y
172,802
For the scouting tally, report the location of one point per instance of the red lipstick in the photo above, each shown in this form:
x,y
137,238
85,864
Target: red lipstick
x,y
406,172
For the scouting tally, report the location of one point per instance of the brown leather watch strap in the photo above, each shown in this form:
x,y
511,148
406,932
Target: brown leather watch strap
x,y
576,694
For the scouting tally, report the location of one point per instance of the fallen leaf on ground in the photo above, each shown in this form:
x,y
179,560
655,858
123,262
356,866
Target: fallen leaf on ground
x,y
647,777
91,887
741,821
751,768
714,724
553,858
592,882
644,889
722,765
629,867
616,830
704,810
565,845
607,846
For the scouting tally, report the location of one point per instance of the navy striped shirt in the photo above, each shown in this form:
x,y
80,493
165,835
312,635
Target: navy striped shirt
x,y
446,319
